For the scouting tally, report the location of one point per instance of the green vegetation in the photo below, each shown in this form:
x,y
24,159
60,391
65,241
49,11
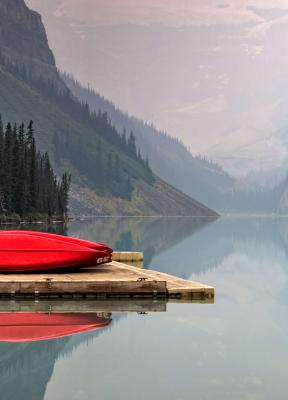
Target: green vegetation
x,y
29,188
110,175
77,140
60,126
169,158
171,161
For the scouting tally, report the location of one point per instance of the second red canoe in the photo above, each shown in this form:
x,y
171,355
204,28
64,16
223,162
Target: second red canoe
x,y
27,253
67,239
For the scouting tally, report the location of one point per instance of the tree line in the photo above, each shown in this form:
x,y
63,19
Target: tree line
x,y
103,167
28,184
104,161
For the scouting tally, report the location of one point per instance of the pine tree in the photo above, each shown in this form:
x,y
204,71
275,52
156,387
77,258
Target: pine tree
x,y
132,145
8,145
27,181
116,168
1,153
64,190
56,143
2,198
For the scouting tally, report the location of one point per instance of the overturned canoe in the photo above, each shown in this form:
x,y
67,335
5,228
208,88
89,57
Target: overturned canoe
x,y
26,253
31,327
67,239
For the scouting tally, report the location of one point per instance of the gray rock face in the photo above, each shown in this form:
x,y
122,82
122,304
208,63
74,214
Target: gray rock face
x,y
23,41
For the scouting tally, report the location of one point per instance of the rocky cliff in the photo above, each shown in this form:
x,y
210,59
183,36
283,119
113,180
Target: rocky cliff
x,y
74,138
23,42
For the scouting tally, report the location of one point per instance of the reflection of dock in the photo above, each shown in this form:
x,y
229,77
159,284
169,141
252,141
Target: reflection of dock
x,y
92,306
109,281
83,306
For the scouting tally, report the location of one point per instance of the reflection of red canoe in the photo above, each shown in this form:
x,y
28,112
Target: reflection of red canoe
x,y
25,253
80,242
30,327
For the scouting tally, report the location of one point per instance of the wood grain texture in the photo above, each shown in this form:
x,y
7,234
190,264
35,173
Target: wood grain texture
x,y
131,256
113,279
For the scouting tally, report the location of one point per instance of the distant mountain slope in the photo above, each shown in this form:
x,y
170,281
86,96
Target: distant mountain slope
x,y
159,199
23,42
169,158
20,102
196,176
213,84
109,175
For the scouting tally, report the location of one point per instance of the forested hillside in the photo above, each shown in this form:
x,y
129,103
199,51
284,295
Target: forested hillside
x,y
196,176
29,189
169,158
110,175
103,157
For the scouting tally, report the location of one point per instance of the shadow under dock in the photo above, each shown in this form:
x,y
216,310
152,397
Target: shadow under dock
x,y
105,282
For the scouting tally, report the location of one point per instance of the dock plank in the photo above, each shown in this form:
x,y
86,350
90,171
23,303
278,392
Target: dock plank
x,y
175,285
113,279
124,256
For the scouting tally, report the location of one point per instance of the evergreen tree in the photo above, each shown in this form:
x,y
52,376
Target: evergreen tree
x,y
27,182
93,164
7,167
132,144
56,144
2,198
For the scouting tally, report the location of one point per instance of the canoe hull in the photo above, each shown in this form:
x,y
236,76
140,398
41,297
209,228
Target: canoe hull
x,y
47,261
67,239
25,253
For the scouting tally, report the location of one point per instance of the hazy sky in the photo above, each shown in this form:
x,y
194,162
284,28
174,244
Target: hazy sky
x,y
167,12
212,72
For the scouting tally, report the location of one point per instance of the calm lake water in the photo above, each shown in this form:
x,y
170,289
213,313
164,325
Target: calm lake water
x,y
234,349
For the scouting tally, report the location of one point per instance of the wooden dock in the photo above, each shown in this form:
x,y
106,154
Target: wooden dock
x,y
113,281
128,256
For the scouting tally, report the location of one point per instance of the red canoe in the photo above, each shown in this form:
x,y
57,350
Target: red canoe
x,y
26,253
67,239
31,327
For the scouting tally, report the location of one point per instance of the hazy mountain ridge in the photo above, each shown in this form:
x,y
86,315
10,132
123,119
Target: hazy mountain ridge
x,y
220,87
74,137
23,42
77,140
169,158
202,179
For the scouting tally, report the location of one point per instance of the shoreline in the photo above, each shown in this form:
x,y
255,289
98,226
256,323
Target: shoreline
x,y
32,223
16,220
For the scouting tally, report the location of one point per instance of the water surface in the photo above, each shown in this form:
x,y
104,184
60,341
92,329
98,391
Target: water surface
x,y
234,349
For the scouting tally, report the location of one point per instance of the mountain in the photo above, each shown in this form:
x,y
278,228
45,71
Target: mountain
x,y
215,77
169,158
197,176
24,43
109,174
